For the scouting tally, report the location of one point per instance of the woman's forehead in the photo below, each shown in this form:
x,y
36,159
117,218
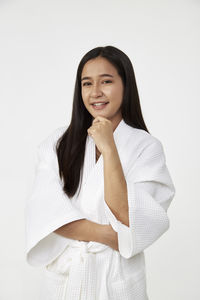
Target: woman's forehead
x,y
98,67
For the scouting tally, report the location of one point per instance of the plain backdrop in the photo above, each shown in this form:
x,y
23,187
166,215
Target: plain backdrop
x,y
41,44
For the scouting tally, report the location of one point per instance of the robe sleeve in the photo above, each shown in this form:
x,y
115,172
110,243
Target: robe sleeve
x,y
150,191
47,208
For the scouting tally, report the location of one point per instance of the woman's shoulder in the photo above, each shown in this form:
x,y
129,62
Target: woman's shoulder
x,y
141,139
48,144
53,135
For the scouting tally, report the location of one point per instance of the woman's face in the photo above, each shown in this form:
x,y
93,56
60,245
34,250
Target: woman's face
x,y
100,82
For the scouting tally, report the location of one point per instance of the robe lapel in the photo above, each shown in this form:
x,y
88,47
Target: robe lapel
x,y
93,172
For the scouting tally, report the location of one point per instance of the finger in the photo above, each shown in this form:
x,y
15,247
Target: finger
x,y
95,121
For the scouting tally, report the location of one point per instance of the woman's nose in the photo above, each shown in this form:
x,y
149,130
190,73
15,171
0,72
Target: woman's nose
x,y
96,90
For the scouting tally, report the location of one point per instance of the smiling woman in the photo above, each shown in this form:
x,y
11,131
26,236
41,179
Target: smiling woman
x,y
101,191
101,95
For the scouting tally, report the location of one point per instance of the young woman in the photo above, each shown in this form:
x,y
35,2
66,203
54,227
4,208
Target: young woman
x,y
101,191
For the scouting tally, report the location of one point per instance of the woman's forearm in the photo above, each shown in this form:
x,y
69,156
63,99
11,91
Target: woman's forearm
x,y
85,230
115,187
82,230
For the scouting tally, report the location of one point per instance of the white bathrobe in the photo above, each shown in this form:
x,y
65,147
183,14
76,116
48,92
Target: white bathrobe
x,y
78,270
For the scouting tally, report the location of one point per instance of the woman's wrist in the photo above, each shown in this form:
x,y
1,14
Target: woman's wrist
x,y
99,232
111,237
107,236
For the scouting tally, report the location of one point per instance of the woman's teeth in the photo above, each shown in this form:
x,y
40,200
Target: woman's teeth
x,y
99,105
96,104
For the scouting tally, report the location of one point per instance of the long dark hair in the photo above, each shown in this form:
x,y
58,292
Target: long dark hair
x,y
70,146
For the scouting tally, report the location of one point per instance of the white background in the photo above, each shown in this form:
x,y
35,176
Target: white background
x,y
41,44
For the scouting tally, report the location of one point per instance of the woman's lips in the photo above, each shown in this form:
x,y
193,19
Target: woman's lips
x,y
98,107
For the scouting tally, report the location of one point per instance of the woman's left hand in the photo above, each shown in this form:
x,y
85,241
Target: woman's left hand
x,y
102,133
110,237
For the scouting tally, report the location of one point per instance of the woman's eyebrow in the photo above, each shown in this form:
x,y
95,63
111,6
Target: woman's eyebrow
x,y
101,75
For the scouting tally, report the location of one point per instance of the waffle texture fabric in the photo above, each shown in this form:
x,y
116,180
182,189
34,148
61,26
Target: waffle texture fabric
x,y
78,270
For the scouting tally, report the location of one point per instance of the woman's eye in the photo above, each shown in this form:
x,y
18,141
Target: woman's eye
x,y
109,81
86,83
89,83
